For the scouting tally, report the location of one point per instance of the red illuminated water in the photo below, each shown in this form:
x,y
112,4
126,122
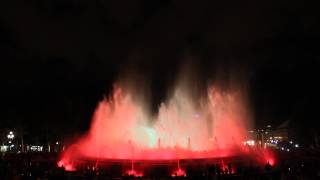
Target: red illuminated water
x,y
122,129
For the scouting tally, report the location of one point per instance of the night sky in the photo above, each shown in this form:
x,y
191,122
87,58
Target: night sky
x,y
60,57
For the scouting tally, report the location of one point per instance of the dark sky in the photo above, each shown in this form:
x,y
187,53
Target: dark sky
x,y
58,57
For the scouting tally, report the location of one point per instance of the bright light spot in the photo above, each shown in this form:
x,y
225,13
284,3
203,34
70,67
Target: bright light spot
x,y
10,132
10,142
10,136
60,163
133,173
36,148
57,143
68,167
250,142
146,134
291,142
282,148
271,162
288,150
297,145
179,173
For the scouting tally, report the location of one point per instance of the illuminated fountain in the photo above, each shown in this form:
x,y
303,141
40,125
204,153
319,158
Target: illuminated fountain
x,y
121,129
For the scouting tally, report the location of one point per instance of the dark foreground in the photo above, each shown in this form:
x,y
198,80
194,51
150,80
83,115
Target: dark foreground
x,y
298,165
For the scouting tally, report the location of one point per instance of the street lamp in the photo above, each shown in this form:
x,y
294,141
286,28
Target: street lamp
x,y
10,138
10,135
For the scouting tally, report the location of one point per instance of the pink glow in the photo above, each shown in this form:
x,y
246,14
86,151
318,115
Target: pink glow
x,y
225,168
179,173
133,173
263,156
122,129
271,161
269,157
67,166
